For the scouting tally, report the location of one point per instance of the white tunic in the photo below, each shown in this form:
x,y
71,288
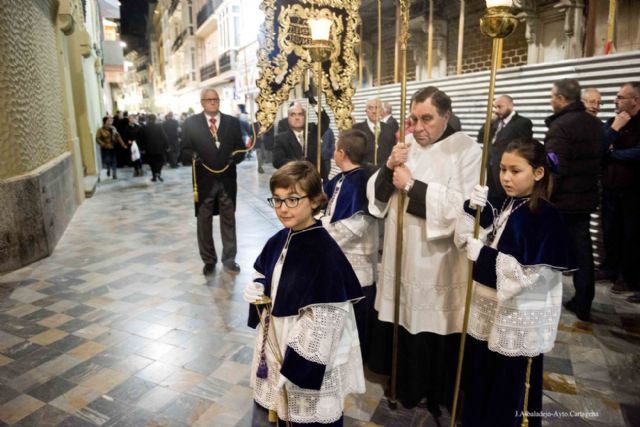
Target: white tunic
x,y
434,271
322,333
357,236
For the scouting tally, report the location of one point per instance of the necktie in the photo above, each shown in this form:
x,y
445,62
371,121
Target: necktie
x,y
214,130
498,129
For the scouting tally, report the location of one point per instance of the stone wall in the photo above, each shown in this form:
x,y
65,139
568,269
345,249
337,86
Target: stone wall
x,y
39,206
477,48
37,192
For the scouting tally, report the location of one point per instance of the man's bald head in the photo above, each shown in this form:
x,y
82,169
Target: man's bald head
x,y
502,106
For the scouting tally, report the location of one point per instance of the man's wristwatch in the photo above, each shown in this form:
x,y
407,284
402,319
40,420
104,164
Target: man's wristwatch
x,y
409,186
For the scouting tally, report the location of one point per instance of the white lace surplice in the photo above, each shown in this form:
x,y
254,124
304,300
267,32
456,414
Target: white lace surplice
x,y
325,334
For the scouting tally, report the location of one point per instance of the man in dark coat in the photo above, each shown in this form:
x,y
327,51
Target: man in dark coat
x,y
294,144
170,127
210,138
621,193
386,136
388,117
507,126
574,147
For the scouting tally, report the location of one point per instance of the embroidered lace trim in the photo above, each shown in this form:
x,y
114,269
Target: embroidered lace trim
x,y
526,323
318,332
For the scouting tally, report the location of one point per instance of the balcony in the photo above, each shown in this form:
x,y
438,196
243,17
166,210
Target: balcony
x,y
174,5
182,82
208,71
177,43
226,61
206,11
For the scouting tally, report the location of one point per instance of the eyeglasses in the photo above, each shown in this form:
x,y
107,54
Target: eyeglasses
x,y
622,98
212,100
290,202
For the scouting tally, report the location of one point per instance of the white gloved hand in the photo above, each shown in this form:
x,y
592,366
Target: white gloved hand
x,y
281,382
474,246
252,292
478,197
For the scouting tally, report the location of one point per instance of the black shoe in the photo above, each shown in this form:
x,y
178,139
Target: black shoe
x,y
153,179
232,267
160,178
604,275
108,172
571,306
260,170
208,269
635,298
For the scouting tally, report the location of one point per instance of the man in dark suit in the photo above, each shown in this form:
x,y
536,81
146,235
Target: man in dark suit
x,y
386,136
294,144
507,126
210,138
387,117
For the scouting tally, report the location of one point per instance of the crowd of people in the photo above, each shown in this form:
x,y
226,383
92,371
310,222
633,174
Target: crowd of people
x,y
534,228
324,298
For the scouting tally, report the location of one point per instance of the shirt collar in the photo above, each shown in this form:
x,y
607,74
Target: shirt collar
x,y
217,117
507,119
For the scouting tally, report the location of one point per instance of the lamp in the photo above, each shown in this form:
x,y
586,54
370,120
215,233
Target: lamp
x,y
497,23
319,51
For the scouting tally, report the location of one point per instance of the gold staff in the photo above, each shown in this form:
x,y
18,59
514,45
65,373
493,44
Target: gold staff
x,y
497,23
267,328
402,61
376,128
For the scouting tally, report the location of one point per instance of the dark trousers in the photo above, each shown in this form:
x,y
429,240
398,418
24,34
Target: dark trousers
x,y
227,212
110,159
155,163
583,278
621,231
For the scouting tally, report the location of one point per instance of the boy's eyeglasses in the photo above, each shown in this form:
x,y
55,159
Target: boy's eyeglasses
x,y
290,202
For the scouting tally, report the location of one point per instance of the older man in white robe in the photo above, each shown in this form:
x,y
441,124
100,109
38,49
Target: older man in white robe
x,y
436,172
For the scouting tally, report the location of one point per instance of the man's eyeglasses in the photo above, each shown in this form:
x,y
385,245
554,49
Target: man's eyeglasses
x,y
212,100
290,202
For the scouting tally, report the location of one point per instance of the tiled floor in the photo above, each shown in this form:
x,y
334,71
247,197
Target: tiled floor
x,y
119,327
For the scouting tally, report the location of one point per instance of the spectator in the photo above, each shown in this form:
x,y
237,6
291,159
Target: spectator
x,y
621,193
574,145
155,144
377,133
107,137
507,126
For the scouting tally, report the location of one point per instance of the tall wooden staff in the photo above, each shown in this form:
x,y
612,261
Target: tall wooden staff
x,y
402,61
497,23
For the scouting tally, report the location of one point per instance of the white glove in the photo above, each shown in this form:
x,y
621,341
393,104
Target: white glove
x,y
252,292
473,248
478,197
281,382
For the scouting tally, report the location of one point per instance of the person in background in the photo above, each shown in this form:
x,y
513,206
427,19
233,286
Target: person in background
x,y
107,137
388,117
170,126
592,100
294,144
155,144
373,125
328,147
574,145
507,126
621,193
132,136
